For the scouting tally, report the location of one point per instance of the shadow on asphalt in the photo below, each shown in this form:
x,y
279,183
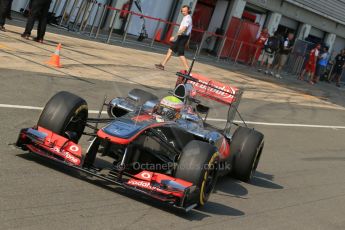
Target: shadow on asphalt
x,y
211,208
265,181
227,186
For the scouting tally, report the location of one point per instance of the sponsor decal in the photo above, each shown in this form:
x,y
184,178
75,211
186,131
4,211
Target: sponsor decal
x,y
217,90
146,175
71,158
144,184
74,148
68,157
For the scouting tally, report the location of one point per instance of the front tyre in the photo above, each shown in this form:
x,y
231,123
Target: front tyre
x,y
65,114
198,164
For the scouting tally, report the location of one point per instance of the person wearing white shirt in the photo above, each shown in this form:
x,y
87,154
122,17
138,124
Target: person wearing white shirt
x,y
180,40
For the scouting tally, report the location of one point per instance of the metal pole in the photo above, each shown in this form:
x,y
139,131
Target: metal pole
x,y
221,47
80,10
64,11
155,33
85,13
296,65
202,42
88,17
238,52
127,26
94,20
256,51
100,20
55,4
112,26
300,66
71,12
330,72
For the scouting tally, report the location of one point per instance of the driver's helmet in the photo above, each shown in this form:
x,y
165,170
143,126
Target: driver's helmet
x,y
170,106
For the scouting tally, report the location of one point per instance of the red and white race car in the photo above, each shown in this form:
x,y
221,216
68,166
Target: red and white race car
x,y
163,148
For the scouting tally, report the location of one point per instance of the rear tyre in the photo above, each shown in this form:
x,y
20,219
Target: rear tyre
x,y
65,114
247,145
198,164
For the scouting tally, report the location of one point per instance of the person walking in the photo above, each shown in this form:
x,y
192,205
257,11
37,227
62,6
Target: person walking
x,y
180,40
38,11
5,10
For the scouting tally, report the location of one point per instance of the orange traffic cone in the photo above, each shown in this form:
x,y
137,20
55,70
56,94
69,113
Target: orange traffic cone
x,y
55,58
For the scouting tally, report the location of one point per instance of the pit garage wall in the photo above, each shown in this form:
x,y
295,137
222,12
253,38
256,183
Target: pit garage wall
x,y
154,8
339,44
292,11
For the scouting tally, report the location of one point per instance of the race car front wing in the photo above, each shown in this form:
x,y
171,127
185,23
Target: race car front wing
x,y
161,187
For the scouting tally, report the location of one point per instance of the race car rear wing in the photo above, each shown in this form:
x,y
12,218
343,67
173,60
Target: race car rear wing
x,y
208,88
216,91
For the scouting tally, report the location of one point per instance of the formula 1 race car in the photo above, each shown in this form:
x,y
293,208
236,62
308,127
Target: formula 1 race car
x,y
163,148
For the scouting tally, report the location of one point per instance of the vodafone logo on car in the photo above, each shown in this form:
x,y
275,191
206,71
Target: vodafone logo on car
x,y
68,157
74,148
143,184
71,158
145,175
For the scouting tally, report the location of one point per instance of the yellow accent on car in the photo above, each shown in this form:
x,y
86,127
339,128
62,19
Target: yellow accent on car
x,y
216,154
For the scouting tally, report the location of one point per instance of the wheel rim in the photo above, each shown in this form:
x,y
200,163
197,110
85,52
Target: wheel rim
x,y
209,180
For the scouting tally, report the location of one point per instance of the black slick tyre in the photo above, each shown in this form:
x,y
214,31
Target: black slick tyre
x,y
198,164
246,145
64,114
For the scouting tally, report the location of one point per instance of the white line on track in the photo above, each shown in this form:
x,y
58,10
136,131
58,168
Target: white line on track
x,y
210,119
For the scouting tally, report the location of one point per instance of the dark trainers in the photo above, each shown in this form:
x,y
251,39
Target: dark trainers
x,y
38,40
159,66
25,36
2,28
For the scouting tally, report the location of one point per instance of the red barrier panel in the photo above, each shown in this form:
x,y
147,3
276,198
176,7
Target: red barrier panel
x,y
239,39
241,36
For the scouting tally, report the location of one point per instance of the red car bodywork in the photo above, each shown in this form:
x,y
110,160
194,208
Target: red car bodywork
x,y
58,148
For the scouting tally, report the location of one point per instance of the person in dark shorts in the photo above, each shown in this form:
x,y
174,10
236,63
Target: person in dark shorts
x,y
39,10
339,65
180,41
284,52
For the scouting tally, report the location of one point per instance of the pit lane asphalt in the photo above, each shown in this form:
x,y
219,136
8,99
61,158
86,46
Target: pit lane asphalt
x,y
299,183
